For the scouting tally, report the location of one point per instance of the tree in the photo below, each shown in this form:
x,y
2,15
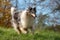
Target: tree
x,y
41,20
5,11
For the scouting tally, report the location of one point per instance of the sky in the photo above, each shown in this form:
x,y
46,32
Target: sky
x,y
44,7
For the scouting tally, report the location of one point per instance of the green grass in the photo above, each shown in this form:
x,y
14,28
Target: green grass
x,y
10,34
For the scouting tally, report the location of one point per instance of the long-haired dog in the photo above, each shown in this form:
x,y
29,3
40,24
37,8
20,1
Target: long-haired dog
x,y
23,20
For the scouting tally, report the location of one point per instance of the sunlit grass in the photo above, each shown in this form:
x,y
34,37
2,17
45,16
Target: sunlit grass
x,y
10,34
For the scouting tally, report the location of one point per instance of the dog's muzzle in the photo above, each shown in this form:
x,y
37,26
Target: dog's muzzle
x,y
33,15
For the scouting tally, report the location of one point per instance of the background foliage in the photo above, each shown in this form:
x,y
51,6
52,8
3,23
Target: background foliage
x,y
5,13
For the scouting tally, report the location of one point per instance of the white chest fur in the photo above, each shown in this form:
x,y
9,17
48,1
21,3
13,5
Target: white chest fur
x,y
26,20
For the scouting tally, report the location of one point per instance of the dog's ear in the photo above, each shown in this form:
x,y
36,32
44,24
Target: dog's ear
x,y
34,9
30,8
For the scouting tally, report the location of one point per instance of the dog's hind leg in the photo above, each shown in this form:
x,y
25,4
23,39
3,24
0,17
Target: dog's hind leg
x,y
15,27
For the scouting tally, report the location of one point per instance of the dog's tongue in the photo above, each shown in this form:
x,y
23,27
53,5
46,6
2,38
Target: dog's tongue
x,y
33,15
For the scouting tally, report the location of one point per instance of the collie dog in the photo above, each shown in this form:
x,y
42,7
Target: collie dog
x,y
22,21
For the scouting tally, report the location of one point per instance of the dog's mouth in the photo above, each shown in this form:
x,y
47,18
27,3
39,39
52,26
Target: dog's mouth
x,y
33,15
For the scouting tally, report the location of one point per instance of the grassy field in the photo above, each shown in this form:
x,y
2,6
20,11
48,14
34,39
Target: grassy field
x,y
10,34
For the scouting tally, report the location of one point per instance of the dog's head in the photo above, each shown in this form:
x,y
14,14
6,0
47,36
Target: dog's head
x,y
32,11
